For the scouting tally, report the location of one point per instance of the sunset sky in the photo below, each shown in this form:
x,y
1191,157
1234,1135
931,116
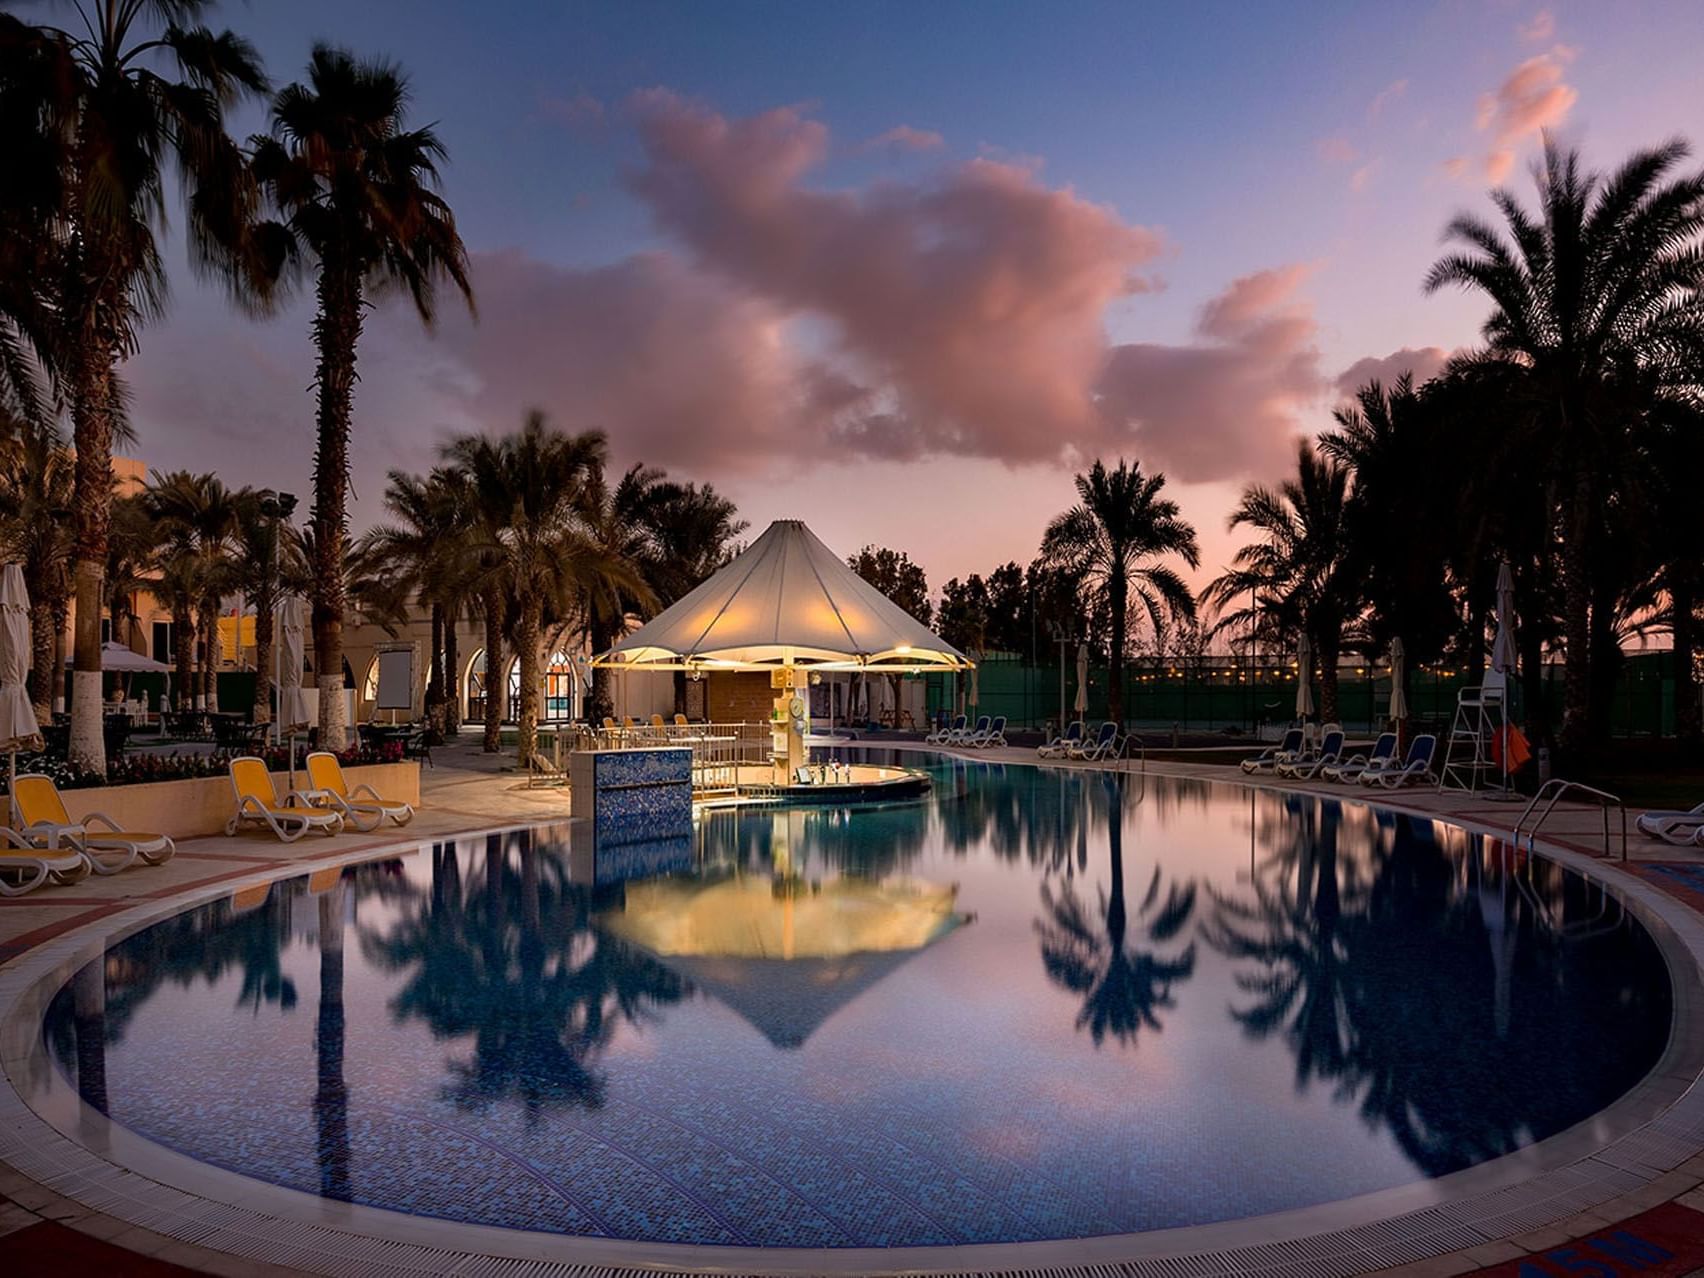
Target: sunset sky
x,y
895,268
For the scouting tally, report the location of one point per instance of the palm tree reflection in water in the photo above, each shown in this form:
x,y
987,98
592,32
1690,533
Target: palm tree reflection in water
x,y
331,1097
1384,972
512,962
1123,990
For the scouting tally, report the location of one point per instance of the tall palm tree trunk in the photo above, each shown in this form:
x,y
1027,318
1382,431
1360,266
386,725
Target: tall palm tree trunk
x,y
1683,604
1577,617
603,700
337,329
44,657
452,679
210,655
496,674
1118,597
183,645
1327,646
91,415
526,719
435,679
264,604
331,1093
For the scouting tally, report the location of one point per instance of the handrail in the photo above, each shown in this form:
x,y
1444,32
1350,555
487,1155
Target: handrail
x,y
1132,739
1562,787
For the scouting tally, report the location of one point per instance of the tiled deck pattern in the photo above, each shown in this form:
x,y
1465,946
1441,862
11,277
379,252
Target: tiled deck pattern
x,y
1647,1187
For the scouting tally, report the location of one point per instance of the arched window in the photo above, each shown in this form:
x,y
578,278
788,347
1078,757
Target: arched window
x,y
476,687
370,685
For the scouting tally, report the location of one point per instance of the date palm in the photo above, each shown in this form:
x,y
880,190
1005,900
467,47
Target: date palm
x,y
622,522
535,496
141,89
1598,301
693,531
1111,542
354,195
266,565
36,489
1299,571
196,516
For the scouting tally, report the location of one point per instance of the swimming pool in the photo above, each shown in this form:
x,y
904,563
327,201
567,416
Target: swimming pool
x,y
1038,1004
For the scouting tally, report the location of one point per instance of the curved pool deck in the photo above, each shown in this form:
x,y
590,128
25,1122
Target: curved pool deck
x,y
71,1163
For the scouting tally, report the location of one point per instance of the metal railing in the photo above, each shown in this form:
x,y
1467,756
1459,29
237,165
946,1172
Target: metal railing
x,y
719,750
1555,788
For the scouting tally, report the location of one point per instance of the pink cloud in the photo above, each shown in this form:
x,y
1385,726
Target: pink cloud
x,y
1336,150
1385,96
1541,27
676,366
1230,403
973,303
1360,177
1533,97
903,137
1424,362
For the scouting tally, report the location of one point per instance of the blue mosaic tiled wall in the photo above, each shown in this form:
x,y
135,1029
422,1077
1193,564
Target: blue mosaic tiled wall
x,y
641,795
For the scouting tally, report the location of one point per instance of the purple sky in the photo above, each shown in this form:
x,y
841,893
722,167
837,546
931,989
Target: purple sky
x,y
896,269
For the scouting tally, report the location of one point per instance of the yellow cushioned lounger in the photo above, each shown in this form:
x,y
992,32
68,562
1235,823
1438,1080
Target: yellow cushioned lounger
x,y
109,848
362,807
257,802
24,867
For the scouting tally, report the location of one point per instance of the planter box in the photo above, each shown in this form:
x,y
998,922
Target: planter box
x,y
201,806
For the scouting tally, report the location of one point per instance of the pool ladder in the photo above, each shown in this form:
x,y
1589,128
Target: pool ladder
x,y
1554,789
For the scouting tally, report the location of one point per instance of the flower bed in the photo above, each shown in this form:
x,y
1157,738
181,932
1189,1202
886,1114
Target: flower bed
x,y
146,768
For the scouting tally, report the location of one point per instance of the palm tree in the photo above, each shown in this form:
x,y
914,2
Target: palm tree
x,y
196,517
130,553
621,522
1299,573
535,496
36,490
1110,541
353,190
1598,302
693,531
266,566
421,556
139,89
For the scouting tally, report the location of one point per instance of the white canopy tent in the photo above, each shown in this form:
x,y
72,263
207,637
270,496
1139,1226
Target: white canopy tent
x,y
787,600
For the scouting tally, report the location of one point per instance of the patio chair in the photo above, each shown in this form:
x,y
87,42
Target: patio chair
x,y
418,745
1330,754
257,803
975,735
1384,749
996,734
362,807
946,732
1417,766
1267,760
1680,828
24,867
109,849
1103,746
1062,745
681,721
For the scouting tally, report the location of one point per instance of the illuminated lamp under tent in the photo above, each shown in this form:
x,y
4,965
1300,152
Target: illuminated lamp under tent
x,y
790,606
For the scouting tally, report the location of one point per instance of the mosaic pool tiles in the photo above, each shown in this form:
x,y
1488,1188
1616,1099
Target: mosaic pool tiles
x,y
642,794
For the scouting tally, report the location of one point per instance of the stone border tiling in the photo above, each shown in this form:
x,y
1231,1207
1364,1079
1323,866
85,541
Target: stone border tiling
x,y
1633,1148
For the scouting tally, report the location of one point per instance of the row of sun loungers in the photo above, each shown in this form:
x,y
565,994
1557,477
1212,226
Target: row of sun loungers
x,y
1107,743
986,732
1683,829
50,848
1329,761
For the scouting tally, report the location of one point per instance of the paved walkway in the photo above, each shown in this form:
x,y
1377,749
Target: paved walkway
x,y
42,1232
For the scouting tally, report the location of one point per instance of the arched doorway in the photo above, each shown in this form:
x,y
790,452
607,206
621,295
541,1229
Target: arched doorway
x,y
560,694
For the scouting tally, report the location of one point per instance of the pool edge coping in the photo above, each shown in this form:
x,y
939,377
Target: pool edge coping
x,y
1504,1198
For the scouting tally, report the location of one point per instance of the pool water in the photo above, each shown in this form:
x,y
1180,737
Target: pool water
x,y
1037,1004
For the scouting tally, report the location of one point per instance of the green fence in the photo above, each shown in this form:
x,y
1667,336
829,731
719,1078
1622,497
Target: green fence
x,y
1215,693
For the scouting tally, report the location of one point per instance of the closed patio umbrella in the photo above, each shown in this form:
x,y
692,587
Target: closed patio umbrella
x,y
18,730
292,702
1398,698
1304,678
1503,647
1081,704
975,691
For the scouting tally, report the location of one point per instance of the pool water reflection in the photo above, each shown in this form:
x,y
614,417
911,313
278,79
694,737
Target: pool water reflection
x,y
1039,1004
